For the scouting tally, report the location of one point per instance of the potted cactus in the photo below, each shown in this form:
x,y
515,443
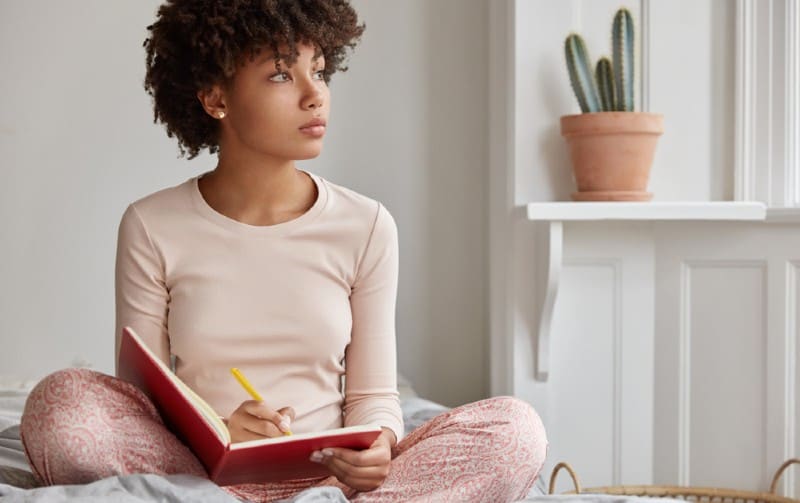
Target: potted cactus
x,y
611,146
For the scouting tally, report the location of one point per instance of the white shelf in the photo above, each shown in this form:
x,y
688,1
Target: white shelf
x,y
551,240
711,210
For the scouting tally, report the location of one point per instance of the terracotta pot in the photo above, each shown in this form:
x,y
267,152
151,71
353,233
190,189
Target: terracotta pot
x,y
612,153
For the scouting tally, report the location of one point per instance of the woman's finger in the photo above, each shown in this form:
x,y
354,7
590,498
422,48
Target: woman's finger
x,y
366,472
287,411
287,416
355,480
262,411
261,427
244,435
373,456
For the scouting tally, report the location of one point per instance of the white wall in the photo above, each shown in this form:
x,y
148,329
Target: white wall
x,y
78,144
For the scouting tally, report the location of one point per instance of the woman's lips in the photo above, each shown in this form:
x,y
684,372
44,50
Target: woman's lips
x,y
315,131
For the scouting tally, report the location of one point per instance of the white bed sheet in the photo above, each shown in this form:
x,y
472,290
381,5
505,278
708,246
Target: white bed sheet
x,y
11,405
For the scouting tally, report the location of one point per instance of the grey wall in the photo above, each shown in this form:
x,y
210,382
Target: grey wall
x,y
408,127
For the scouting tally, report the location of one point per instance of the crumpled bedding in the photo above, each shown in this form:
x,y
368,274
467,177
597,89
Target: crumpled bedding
x,y
138,488
18,484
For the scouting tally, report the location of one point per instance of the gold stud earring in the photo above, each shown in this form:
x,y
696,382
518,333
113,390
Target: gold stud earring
x,y
221,114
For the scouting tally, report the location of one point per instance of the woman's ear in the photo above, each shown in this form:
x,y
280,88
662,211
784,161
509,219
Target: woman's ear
x,y
213,101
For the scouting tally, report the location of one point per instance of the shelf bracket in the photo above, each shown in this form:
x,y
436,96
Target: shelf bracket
x,y
549,252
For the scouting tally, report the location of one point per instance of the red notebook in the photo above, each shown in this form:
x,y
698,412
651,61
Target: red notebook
x,y
199,427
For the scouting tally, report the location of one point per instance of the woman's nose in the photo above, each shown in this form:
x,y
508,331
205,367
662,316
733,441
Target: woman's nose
x,y
313,98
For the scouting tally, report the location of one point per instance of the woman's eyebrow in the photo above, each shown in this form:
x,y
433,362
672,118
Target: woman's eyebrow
x,y
268,58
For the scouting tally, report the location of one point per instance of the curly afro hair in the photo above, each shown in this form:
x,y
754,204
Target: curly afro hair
x,y
195,44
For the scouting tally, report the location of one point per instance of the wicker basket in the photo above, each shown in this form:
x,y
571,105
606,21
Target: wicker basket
x,y
688,493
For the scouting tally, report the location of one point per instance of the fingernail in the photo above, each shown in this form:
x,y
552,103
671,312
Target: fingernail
x,y
327,452
284,424
316,457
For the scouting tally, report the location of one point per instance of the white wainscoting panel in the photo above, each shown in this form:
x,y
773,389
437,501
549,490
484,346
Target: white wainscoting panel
x,y
583,415
722,373
726,336
597,403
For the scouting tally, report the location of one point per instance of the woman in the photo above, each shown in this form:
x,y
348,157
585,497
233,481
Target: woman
x,y
258,265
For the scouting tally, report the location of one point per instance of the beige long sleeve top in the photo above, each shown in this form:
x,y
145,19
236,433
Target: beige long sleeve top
x,y
295,306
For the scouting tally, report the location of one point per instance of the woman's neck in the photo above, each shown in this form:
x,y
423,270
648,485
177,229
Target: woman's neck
x,y
258,193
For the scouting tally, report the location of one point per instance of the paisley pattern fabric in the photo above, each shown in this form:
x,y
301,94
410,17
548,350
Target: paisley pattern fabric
x,y
80,426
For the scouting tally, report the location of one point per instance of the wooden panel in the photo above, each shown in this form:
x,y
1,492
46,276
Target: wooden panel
x,y
754,284
601,337
723,363
581,415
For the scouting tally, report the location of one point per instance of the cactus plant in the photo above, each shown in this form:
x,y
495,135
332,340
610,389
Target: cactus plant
x,y
610,88
612,151
605,84
580,73
622,41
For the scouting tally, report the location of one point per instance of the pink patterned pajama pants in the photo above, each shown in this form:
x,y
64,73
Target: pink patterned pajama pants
x,y
80,426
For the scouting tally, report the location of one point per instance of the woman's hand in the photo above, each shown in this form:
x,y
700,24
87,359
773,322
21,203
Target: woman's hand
x,y
362,470
253,420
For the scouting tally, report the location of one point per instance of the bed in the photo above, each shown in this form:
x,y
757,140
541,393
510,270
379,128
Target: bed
x,y
17,483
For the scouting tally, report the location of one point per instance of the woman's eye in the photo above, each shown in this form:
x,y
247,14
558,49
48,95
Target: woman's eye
x,y
320,75
280,77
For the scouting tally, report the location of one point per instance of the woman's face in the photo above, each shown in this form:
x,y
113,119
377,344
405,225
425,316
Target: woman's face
x,y
268,104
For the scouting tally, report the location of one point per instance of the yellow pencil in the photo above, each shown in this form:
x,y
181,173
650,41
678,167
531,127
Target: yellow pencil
x,y
249,388
246,384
